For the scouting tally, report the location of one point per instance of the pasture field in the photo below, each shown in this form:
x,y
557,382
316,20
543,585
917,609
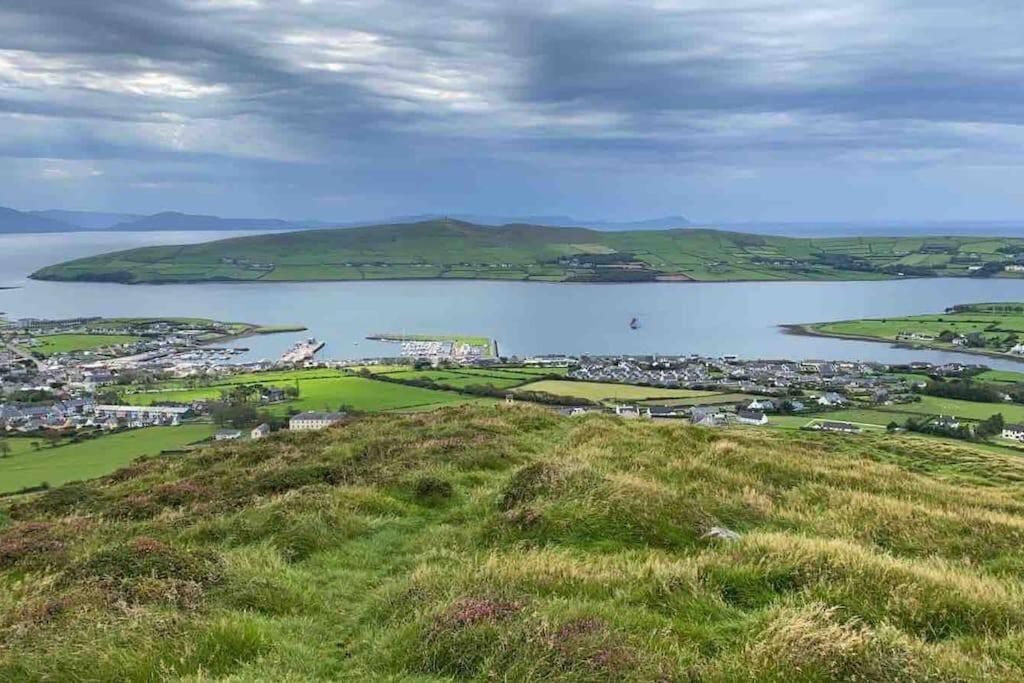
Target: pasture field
x,y
28,467
460,380
600,391
52,344
318,390
468,541
1002,376
359,393
455,249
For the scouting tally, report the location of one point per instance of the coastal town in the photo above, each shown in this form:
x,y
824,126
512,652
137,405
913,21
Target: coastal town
x,y
68,376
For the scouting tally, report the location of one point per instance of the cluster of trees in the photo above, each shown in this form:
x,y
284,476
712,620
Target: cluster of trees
x,y
971,390
986,429
963,390
238,407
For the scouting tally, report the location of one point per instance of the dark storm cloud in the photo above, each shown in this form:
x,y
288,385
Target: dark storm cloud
x,y
294,94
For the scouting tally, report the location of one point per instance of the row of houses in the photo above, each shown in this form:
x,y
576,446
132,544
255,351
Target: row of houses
x,y
303,422
728,374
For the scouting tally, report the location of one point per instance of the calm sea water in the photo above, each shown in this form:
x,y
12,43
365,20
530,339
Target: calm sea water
x,y
526,318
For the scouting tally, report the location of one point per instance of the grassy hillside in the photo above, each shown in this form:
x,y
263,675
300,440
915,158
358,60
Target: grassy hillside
x,y
509,543
453,249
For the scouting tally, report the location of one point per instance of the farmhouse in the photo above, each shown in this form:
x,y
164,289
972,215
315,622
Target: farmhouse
x,y
633,412
751,417
1014,431
762,404
228,435
261,432
304,422
831,398
706,416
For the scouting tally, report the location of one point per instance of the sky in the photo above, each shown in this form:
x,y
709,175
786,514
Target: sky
x,y
720,110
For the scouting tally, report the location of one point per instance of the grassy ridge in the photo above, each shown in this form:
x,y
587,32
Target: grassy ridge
x,y
453,249
473,543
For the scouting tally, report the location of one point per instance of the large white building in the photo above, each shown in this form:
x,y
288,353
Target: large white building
x,y
305,422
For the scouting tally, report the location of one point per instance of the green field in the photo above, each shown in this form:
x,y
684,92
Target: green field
x,y
928,406
53,344
474,544
27,467
999,325
318,390
453,249
600,391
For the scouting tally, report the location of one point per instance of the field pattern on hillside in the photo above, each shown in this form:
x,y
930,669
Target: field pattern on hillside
x,y
453,249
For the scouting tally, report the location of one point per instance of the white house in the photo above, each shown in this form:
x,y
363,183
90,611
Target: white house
x,y
751,417
305,422
1014,431
261,432
830,398
706,416
632,412
761,404
228,435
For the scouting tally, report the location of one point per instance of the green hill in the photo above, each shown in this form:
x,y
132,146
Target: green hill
x,y
513,544
454,249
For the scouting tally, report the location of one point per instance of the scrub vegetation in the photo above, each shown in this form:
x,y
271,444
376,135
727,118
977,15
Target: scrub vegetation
x,y
508,542
454,249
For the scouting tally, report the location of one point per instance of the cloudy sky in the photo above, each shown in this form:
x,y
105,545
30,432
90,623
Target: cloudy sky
x,y
343,109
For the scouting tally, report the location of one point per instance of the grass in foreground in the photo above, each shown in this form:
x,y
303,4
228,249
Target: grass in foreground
x,y
511,543
28,466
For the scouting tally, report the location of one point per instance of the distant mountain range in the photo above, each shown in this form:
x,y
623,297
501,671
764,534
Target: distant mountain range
x,y
12,221
172,220
57,220
87,220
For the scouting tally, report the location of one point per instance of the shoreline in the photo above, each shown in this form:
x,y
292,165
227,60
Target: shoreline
x,y
807,330
687,281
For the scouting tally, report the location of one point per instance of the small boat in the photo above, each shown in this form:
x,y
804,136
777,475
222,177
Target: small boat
x,y
634,324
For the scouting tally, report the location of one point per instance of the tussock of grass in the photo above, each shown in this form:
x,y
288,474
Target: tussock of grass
x,y
478,543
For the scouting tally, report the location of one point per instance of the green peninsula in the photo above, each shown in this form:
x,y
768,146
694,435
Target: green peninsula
x,y
994,329
448,249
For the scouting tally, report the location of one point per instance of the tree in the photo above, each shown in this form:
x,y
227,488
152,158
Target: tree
x,y
990,427
892,426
